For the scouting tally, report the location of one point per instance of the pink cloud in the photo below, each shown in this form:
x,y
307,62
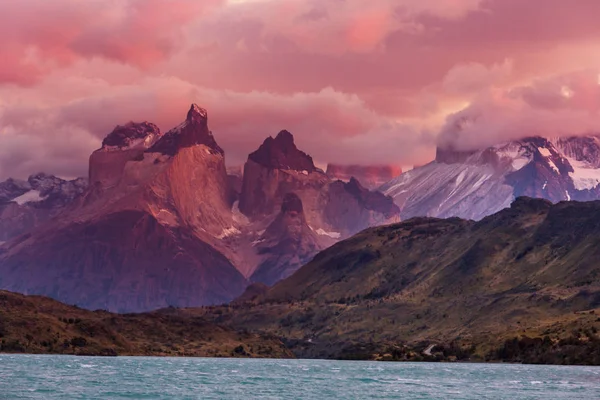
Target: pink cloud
x,y
356,81
565,105
39,36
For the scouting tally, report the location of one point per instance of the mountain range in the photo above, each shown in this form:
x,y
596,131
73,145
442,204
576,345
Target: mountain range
x,y
25,204
495,246
475,184
162,223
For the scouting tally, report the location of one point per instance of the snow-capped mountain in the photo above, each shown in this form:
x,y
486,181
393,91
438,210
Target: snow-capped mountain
x,y
475,184
25,204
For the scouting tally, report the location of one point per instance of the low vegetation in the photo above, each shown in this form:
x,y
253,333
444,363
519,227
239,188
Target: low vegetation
x,y
33,324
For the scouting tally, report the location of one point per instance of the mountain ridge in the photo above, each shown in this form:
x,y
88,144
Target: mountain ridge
x,y
162,222
528,270
477,183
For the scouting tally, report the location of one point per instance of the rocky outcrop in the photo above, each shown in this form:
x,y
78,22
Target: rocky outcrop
x,y
145,235
124,144
131,135
369,176
350,208
265,185
275,169
278,176
287,243
282,153
193,131
164,223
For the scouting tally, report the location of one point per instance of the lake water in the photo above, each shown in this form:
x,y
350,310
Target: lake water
x,y
65,377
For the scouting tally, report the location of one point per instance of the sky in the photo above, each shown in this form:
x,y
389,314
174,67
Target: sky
x,y
355,81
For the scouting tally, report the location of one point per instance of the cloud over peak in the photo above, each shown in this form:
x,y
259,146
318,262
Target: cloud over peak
x,y
355,81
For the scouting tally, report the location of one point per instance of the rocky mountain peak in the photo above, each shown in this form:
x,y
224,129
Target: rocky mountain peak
x,y
372,200
197,113
287,243
193,131
474,184
131,135
281,153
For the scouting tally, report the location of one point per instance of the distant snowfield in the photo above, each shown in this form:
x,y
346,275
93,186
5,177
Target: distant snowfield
x,y
31,196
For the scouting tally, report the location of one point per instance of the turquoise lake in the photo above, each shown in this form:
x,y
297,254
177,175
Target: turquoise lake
x,y
66,377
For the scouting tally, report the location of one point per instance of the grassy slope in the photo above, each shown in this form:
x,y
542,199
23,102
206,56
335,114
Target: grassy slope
x,y
35,324
528,270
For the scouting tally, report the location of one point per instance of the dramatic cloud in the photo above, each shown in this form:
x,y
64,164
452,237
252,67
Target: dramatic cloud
x,y
356,81
40,35
564,105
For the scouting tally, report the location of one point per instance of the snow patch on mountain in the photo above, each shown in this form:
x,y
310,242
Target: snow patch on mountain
x,y
584,176
544,151
29,197
334,235
228,232
553,166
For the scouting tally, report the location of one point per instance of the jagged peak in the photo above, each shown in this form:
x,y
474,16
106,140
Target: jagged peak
x,y
370,199
193,131
196,113
281,153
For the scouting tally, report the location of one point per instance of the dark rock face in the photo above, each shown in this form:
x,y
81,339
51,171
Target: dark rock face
x,y
282,153
584,148
235,180
291,204
351,208
124,262
192,132
288,243
275,169
374,201
130,134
